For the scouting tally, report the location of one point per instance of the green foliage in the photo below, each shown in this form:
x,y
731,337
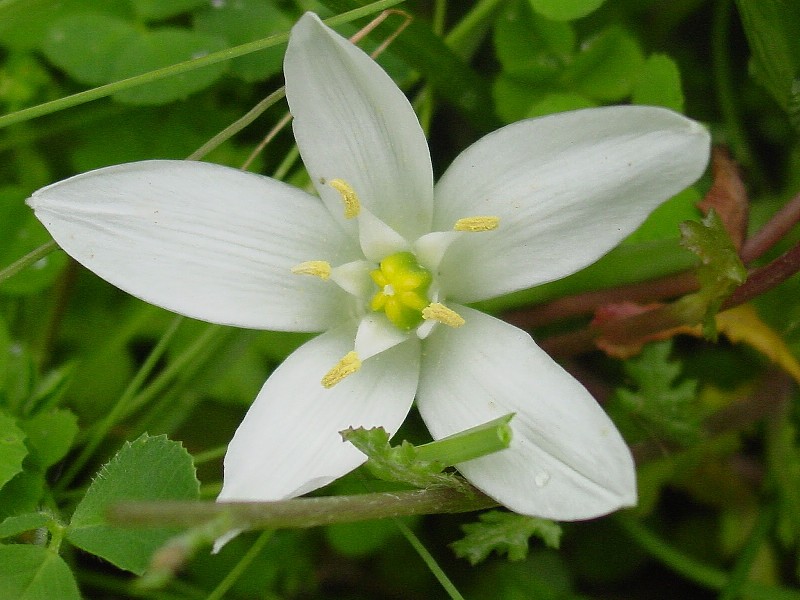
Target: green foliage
x,y
504,533
720,270
659,83
565,10
35,573
773,30
13,526
149,468
12,448
398,463
658,402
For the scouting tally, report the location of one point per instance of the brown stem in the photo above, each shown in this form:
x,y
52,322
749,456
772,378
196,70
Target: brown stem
x,y
777,227
301,512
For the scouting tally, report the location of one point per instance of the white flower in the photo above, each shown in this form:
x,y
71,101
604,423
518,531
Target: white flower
x,y
527,204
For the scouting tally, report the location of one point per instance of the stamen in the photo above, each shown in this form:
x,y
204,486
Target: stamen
x,y
475,224
351,204
437,311
347,366
317,268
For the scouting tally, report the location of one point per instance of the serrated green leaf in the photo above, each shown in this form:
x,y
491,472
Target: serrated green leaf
x,y
720,270
246,21
12,448
607,67
397,463
149,468
658,402
659,83
161,48
86,46
50,435
504,533
565,10
163,9
15,525
35,573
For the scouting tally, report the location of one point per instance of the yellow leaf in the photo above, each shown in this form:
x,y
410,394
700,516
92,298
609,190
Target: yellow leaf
x,y
742,324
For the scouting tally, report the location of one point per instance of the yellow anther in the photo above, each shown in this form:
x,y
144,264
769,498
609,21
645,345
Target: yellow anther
x,y
475,224
437,311
317,268
351,204
347,366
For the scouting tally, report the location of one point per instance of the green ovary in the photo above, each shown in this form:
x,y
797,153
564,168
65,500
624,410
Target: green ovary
x,y
402,289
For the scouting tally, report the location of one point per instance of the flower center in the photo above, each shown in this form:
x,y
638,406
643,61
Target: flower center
x,y
402,290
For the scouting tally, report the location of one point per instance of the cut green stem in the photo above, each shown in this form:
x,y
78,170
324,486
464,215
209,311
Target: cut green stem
x,y
469,444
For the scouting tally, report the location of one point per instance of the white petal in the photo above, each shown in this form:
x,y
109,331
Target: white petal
x,y
377,239
289,442
566,460
567,189
376,334
352,122
203,240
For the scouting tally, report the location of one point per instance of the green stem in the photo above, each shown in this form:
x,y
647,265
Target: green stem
x,y
176,69
466,36
726,94
466,445
235,127
301,512
735,587
29,259
429,561
115,414
694,570
209,455
219,592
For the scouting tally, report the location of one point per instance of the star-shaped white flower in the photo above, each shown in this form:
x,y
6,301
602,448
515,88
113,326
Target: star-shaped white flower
x,y
383,265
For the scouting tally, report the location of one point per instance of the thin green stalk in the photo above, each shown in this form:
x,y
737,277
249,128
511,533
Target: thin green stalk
x,y
735,587
26,261
466,36
430,562
100,430
219,592
175,368
694,570
235,127
287,163
209,455
176,69
726,94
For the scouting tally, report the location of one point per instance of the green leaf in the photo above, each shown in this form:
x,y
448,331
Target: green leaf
x,y
12,448
555,103
50,435
5,349
772,28
397,463
246,21
720,270
531,48
35,573
565,10
23,494
658,402
162,48
659,83
607,67
87,46
24,25
664,222
505,533
163,9
149,468
13,526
